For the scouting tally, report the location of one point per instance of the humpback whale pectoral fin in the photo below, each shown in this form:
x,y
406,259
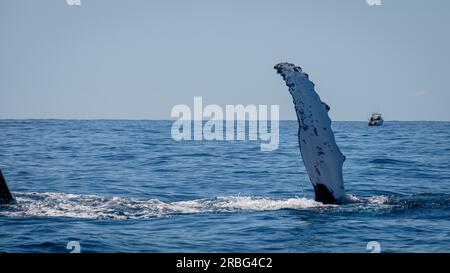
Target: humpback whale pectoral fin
x,y
5,194
322,158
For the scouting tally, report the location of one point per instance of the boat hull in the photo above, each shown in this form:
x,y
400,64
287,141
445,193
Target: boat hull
x,y
376,123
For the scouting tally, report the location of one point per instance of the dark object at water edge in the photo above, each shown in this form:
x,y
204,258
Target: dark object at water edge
x,y
376,120
5,194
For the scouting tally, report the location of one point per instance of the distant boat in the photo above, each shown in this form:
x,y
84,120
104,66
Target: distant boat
x,y
376,120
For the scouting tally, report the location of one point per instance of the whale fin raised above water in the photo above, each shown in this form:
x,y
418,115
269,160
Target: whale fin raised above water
x,y
5,195
321,155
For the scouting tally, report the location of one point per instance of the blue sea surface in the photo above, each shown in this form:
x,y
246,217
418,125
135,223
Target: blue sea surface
x,y
127,186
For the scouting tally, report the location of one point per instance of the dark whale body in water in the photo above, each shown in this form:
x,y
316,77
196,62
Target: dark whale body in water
x,y
5,194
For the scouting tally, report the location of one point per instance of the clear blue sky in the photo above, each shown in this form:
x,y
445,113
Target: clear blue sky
x,y
119,59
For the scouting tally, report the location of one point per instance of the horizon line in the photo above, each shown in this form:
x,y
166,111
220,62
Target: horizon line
x,y
150,119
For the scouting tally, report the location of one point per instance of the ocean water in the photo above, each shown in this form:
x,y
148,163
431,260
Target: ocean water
x,y
127,186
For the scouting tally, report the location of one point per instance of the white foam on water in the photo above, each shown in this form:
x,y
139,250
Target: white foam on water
x,y
265,204
351,198
378,200
47,204
117,208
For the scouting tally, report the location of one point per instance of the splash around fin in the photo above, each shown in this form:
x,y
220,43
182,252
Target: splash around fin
x,y
5,194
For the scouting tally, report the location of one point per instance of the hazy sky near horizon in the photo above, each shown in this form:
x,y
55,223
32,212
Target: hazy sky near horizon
x,y
118,59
